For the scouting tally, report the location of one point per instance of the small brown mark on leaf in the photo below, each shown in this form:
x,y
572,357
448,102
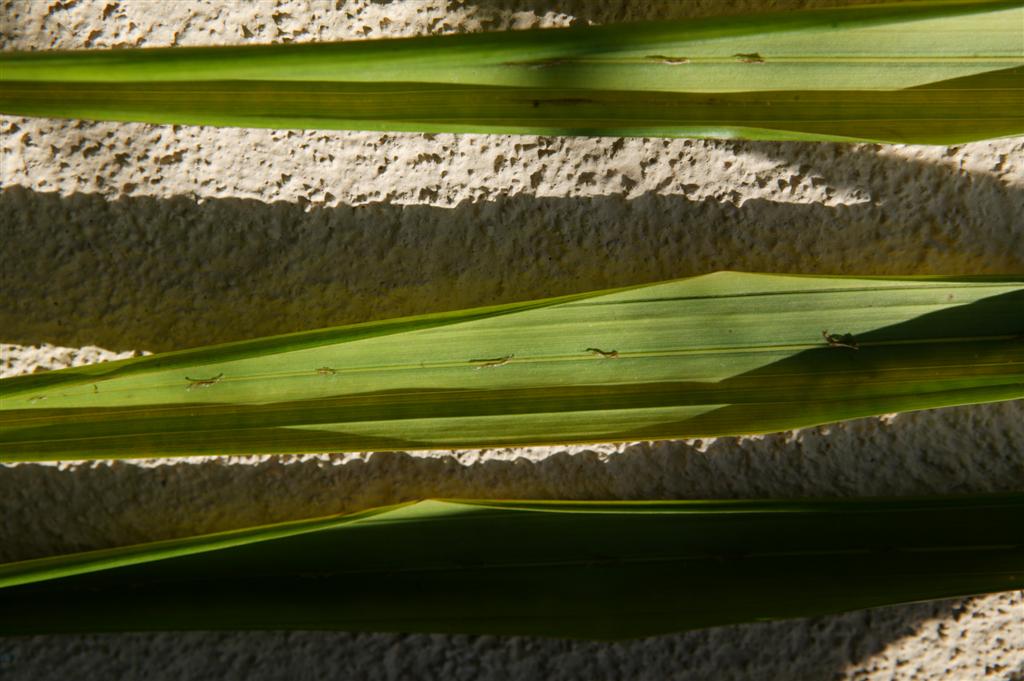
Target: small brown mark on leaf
x,y
491,363
37,398
749,58
662,59
325,371
194,383
607,354
845,340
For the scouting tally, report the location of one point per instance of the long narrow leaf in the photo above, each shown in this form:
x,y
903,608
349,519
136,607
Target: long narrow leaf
x,y
937,71
598,570
727,353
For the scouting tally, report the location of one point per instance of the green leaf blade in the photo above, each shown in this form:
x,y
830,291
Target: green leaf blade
x,y
899,73
727,353
571,569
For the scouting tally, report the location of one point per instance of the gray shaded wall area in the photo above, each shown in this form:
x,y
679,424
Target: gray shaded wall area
x,y
122,238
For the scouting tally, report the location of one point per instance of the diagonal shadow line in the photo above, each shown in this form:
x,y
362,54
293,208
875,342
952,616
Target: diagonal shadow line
x,y
858,378
159,274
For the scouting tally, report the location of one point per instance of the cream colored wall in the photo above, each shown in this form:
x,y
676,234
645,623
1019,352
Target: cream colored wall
x,y
135,237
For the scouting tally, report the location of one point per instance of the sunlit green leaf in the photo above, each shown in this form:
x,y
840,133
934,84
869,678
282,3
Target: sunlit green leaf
x,y
720,354
928,71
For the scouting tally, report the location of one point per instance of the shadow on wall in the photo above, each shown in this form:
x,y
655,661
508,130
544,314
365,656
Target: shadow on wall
x,y
160,274
653,10
817,648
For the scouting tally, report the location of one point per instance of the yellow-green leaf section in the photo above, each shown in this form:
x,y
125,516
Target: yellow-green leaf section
x,y
719,354
943,71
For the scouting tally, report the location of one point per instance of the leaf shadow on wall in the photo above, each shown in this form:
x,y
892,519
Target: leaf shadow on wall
x,y
818,648
159,274
653,10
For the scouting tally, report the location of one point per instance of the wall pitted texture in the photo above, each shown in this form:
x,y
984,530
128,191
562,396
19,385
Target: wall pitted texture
x,y
132,237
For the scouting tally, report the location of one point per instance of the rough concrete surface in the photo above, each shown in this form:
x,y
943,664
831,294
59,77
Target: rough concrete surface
x,y
120,238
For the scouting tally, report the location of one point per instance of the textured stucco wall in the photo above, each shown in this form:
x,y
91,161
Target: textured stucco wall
x,y
133,237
